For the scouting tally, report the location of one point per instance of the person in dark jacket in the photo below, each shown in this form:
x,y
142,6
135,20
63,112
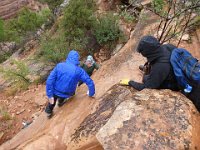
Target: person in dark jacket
x,y
62,82
89,66
161,75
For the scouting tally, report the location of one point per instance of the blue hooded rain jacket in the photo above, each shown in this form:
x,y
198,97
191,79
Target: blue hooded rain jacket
x,y
64,78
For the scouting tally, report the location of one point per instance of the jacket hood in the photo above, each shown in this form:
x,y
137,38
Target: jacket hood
x,y
73,57
149,48
90,59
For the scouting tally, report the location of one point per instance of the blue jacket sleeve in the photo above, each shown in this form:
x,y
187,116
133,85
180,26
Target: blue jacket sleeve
x,y
136,85
50,83
89,82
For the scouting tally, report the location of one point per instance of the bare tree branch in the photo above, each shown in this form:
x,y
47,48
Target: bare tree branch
x,y
176,19
165,24
185,28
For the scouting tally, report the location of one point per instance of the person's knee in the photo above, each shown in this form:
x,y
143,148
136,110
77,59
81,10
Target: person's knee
x,y
60,100
145,78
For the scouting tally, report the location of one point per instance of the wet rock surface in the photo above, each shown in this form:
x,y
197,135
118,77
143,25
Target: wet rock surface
x,y
108,103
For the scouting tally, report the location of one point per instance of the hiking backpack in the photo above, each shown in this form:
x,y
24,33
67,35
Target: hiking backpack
x,y
186,67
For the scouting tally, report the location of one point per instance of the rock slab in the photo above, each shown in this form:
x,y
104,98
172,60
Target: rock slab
x,y
150,119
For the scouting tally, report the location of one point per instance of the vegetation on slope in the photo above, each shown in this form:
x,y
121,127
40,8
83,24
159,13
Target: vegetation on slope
x,y
79,18
16,29
19,29
52,3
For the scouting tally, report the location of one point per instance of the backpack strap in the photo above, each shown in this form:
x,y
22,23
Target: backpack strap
x,y
193,67
185,63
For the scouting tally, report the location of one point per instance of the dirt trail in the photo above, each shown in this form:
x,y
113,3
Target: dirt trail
x,y
75,110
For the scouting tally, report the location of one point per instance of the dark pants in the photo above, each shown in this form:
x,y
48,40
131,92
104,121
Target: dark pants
x,y
194,96
79,84
50,107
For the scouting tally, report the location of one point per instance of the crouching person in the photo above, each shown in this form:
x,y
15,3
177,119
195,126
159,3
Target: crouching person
x,y
161,75
62,82
89,66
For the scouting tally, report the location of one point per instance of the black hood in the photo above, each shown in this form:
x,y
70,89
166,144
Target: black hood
x,y
149,47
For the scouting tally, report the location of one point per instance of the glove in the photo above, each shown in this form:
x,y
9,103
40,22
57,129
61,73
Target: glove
x,y
124,82
51,100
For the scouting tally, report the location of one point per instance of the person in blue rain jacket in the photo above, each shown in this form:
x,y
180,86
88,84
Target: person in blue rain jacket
x,y
62,82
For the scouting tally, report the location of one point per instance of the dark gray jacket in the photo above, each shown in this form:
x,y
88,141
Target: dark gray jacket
x,y
161,75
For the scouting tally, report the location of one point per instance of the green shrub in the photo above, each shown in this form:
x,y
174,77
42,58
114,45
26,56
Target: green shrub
x,y
17,75
127,17
158,5
1,30
44,15
5,114
53,49
78,18
4,56
26,21
107,29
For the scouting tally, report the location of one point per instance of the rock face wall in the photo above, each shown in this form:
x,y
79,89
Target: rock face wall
x,y
9,8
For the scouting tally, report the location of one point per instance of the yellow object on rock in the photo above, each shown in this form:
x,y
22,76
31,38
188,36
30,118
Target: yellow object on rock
x,y
124,82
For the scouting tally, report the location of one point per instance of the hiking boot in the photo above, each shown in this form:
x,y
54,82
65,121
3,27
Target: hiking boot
x,y
61,103
26,124
49,115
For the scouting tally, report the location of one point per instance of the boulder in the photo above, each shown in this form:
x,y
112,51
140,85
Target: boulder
x,y
151,119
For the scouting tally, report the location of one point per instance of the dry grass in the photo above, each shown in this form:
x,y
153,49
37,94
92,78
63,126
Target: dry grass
x,y
4,114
